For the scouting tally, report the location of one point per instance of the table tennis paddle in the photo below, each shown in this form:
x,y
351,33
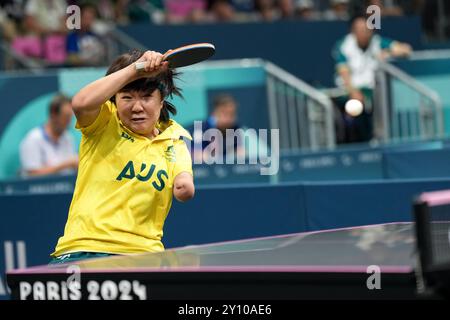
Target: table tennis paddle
x,y
184,56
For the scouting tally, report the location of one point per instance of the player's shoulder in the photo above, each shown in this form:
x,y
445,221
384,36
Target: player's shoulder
x,y
376,38
67,136
344,41
34,138
101,122
382,41
174,130
36,134
347,43
109,105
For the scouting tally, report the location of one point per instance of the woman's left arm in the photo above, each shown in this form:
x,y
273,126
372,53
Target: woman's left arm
x,y
183,187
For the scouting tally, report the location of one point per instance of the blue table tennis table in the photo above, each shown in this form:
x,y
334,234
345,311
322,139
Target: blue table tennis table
x,y
368,262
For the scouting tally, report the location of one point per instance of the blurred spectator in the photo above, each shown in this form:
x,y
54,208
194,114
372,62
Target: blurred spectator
x,y
11,12
49,149
222,11
106,10
44,27
243,6
222,117
305,9
179,11
121,12
287,8
388,7
413,7
266,10
46,16
198,16
356,59
8,32
11,16
338,10
106,15
146,11
435,20
84,47
14,9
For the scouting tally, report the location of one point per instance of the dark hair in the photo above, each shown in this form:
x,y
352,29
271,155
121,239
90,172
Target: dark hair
x,y
164,82
88,4
355,17
213,3
57,102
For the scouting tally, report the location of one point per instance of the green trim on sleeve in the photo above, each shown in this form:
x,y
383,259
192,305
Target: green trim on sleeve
x,y
386,43
337,53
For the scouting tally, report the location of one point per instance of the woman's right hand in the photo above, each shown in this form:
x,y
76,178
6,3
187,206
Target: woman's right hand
x,y
154,64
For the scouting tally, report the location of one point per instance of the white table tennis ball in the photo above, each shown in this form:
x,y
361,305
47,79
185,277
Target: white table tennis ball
x,y
354,107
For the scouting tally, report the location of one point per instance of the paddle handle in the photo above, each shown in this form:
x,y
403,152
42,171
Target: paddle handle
x,y
142,64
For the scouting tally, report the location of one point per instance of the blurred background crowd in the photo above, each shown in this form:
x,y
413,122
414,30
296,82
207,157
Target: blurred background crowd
x,y
37,28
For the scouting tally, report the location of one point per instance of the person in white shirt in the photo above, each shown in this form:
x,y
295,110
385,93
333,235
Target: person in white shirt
x,y
49,149
356,58
46,16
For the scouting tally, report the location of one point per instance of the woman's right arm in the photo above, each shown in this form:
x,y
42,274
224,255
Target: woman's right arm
x,y
87,102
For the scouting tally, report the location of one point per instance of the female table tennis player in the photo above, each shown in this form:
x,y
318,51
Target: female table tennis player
x,y
132,161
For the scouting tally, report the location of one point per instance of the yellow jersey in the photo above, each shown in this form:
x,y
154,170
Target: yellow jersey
x,y
124,186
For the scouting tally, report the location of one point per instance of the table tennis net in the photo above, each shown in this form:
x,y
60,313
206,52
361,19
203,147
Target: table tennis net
x,y
433,227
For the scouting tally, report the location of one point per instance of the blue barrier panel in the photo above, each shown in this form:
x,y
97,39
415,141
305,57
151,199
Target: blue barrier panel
x,y
433,73
30,227
230,213
424,67
416,146
418,164
335,205
228,174
343,164
38,185
359,164
12,90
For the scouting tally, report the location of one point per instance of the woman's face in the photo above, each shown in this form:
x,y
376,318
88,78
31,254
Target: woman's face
x,y
139,111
